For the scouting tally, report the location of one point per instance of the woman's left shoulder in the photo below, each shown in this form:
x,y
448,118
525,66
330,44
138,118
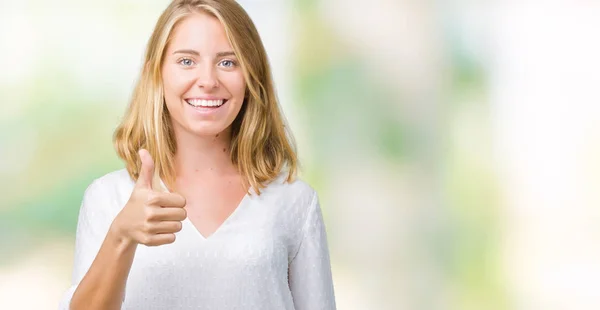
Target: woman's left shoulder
x,y
296,191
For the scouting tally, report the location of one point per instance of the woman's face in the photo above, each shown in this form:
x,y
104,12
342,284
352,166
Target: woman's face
x,y
203,83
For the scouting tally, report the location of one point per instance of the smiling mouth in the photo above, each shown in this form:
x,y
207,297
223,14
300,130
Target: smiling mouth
x,y
210,104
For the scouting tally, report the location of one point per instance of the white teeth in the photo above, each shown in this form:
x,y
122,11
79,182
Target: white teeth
x,y
205,103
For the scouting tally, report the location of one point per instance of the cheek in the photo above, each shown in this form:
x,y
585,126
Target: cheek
x,y
236,84
175,83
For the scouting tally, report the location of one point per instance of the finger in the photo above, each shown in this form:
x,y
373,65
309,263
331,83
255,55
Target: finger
x,y
167,214
160,239
162,199
163,227
146,170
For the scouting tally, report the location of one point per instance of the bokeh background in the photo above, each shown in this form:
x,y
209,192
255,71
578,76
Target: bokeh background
x,y
454,143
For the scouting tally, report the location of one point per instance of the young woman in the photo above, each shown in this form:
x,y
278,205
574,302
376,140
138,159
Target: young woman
x,y
208,213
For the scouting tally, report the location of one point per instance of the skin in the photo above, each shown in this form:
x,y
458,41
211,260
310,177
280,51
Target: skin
x,y
198,63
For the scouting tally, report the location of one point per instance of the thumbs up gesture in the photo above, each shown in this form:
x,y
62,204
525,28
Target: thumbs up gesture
x,y
150,217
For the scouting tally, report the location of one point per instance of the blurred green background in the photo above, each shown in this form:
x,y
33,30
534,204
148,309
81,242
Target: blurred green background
x,y
454,144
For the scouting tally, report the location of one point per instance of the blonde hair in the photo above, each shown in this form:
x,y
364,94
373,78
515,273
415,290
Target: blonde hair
x,y
261,145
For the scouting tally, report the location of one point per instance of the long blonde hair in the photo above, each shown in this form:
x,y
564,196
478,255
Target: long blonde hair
x,y
261,144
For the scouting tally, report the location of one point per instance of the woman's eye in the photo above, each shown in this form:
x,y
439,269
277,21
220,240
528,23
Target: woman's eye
x,y
186,62
227,63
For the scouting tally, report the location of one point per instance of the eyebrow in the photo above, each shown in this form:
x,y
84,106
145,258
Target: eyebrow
x,y
193,52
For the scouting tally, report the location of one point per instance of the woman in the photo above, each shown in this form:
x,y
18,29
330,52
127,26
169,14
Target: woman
x,y
208,213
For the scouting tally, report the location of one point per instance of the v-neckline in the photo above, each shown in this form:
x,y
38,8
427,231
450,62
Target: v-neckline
x,y
223,224
220,227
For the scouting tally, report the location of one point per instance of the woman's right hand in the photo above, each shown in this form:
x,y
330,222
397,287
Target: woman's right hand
x,y
150,217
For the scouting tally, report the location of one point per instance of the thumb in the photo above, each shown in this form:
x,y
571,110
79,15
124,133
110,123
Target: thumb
x,y
146,170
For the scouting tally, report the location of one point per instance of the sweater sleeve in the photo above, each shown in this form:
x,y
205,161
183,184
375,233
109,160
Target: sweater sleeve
x,y
92,226
309,271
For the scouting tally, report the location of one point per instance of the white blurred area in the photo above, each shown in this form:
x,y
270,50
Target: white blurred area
x,y
546,111
542,62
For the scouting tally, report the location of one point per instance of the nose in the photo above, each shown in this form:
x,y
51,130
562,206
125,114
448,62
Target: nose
x,y
207,77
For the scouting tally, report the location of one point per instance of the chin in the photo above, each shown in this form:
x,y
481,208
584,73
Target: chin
x,y
206,130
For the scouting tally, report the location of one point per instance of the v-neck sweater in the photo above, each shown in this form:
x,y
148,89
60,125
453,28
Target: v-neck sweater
x,y
270,253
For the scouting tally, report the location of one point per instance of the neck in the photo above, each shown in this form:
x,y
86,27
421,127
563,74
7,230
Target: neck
x,y
203,157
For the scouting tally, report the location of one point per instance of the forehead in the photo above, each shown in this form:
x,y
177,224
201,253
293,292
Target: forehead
x,y
201,32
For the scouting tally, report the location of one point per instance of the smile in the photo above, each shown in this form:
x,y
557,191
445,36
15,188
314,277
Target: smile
x,y
197,103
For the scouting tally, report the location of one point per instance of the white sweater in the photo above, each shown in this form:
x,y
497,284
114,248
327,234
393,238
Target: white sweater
x,y
271,253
